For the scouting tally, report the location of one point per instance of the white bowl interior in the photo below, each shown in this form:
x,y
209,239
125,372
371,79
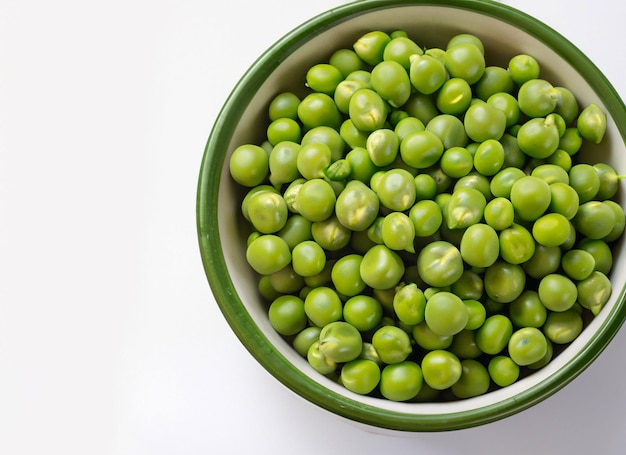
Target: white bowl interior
x,y
430,26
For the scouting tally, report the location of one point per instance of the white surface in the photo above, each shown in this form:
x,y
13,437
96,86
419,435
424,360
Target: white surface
x,y
110,340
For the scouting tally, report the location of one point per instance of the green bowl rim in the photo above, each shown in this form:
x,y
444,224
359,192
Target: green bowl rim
x,y
239,319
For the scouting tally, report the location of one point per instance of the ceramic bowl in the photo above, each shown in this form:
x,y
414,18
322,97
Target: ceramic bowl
x,y
243,119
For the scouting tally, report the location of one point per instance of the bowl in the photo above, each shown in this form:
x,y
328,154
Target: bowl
x,y
222,232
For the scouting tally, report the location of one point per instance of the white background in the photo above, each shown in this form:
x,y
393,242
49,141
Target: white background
x,y
110,340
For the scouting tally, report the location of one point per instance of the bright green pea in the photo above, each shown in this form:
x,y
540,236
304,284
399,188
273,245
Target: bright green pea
x,y
313,159
346,61
445,313
494,335
620,221
344,91
566,105
601,253
421,149
398,232
563,200
319,361
578,264
429,340
551,173
545,260
409,304
396,189
429,183
268,254
426,217
609,181
591,123
513,154
560,158
330,234
499,213
483,121
517,244
594,291
502,182
494,80
523,67
469,286
538,137
382,146
401,381
503,370
324,78
363,312
381,268
316,200
465,208
441,369
400,49
563,327
319,109
530,197
422,107
440,264
408,125
357,206
454,96
308,258
284,129
361,166
297,229
489,157
585,180
370,47
527,310
456,162
305,339
286,280
504,282
340,342
323,306
427,74
594,219
466,38
391,81
449,129
527,345
284,105
506,103
551,229
360,376
537,98
249,165
557,292
287,316
367,110
392,344
474,380
480,245
465,61
283,163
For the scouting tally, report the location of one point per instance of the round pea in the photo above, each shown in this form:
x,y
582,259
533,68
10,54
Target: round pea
x,y
331,234
340,342
319,109
483,121
363,312
357,206
421,149
445,313
409,304
396,189
530,197
401,381
268,253
249,165
557,292
454,96
504,282
465,61
563,327
441,369
591,123
578,264
503,370
594,219
303,341
499,213
367,110
527,345
489,157
474,380
323,306
480,245
346,276
287,316
537,98
429,340
427,74
440,263
456,162
391,81
400,49
517,244
370,47
494,335
527,310
381,268
523,67
284,105
594,291
426,216
551,229
360,376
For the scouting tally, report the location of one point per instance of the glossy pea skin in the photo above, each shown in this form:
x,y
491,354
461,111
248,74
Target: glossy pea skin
x,y
563,327
392,344
544,261
324,78
503,370
381,268
494,335
456,162
287,316
508,104
360,376
328,136
489,157
527,345
408,125
382,146
449,129
340,342
465,208
284,105
465,61
591,123
441,369
367,110
440,263
464,345
504,282
620,221
396,189
426,217
517,245
585,180
577,264
594,220
601,253
454,96
363,312
267,211
474,380
331,234
563,200
313,159
523,67
401,381
537,98
551,229
357,206
318,361
557,292
409,304
499,213
323,306
361,165
421,149
249,165
282,163
502,182
319,109
370,47
391,81
284,129
527,310
530,197
609,181
483,121
268,254
445,313
594,291
303,341
398,232
429,340
316,200
308,258
400,49
480,246
427,74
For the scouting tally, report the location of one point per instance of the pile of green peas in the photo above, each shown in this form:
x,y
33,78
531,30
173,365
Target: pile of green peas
x,y
421,224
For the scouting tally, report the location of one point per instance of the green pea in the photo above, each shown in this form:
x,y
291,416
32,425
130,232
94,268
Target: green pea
x,y
594,219
421,106
398,232
499,213
357,206
421,149
474,380
503,371
557,292
319,361
551,173
456,162
469,286
594,291
360,376
429,183
560,158
313,159
494,80
566,105
303,341
267,254
361,166
408,125
440,264
502,182
513,154
527,310
283,163
563,200
465,208
504,282
427,74
585,180
284,129
571,141
609,181
445,313
429,340
480,245
308,258
517,244
284,105
319,109
426,217
401,381
346,61
620,221
392,344
454,96
449,129
391,82
506,103
530,197
591,123
316,200
483,121
297,229
537,98
563,327
382,146
466,38
249,165
464,345
523,67
538,137
494,335
340,342
396,189
489,157
578,264
331,234
545,359
441,369
545,260
370,47
601,253
323,306
287,316
409,304
465,61
363,312
551,229
400,49
381,268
